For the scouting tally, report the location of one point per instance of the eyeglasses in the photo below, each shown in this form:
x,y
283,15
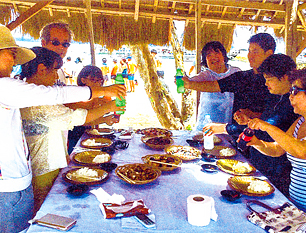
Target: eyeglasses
x,y
57,43
295,90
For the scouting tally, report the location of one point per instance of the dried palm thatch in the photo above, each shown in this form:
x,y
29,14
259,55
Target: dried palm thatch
x,y
209,32
112,31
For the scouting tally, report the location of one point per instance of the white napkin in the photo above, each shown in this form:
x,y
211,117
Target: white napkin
x,y
104,197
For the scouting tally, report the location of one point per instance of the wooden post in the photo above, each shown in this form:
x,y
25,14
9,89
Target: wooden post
x,y
198,12
28,14
91,33
291,29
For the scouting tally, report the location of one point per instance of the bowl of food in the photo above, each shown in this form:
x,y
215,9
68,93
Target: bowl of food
x,y
100,132
85,175
221,152
153,132
158,142
96,143
164,162
91,157
137,173
183,152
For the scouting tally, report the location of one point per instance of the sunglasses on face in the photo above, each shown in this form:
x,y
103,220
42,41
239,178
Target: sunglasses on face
x,y
57,43
295,90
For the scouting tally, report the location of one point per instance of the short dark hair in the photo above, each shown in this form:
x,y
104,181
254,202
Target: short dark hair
x,y
89,70
43,56
216,46
45,31
277,65
264,40
298,75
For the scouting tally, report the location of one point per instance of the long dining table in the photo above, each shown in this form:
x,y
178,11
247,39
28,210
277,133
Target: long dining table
x,y
166,196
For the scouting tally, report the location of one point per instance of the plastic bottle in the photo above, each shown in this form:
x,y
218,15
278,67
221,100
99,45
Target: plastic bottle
x,y
208,140
179,81
245,137
120,101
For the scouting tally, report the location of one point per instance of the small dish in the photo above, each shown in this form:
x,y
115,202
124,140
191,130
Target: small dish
x,y
108,166
77,190
231,195
194,143
208,157
209,168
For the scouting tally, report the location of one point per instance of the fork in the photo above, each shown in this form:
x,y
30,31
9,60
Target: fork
x,y
301,228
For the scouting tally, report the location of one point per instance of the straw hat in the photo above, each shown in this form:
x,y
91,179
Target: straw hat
x,y
7,41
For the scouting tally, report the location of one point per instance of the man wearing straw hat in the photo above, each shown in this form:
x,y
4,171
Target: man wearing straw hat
x,y
16,194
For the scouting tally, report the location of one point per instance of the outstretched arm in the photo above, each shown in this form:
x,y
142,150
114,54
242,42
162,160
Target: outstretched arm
x,y
203,86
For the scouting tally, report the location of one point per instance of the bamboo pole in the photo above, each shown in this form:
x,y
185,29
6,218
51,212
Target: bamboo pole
x,y
28,14
91,33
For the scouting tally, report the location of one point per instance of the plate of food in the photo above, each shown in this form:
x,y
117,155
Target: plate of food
x,y
100,132
137,173
85,175
250,185
91,157
183,152
152,132
199,138
221,152
235,167
96,143
158,142
164,162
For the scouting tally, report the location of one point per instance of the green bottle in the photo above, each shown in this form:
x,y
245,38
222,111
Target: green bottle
x,y
179,81
120,101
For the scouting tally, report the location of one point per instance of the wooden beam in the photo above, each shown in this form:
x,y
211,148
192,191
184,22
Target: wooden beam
x,y
154,10
173,7
50,11
302,18
190,9
291,30
28,14
239,4
136,10
102,3
15,8
224,11
91,33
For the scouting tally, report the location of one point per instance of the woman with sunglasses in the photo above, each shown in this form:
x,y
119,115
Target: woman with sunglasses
x,y
44,125
292,142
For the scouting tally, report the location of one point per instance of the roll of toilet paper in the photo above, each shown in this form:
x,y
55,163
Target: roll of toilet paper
x,y
200,209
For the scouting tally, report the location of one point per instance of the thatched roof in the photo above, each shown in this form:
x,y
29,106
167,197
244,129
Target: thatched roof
x,y
118,22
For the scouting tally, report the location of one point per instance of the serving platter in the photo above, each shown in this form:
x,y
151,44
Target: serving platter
x,y
137,173
85,176
163,162
242,183
218,152
157,142
235,167
199,138
152,132
183,152
100,132
96,142
91,157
